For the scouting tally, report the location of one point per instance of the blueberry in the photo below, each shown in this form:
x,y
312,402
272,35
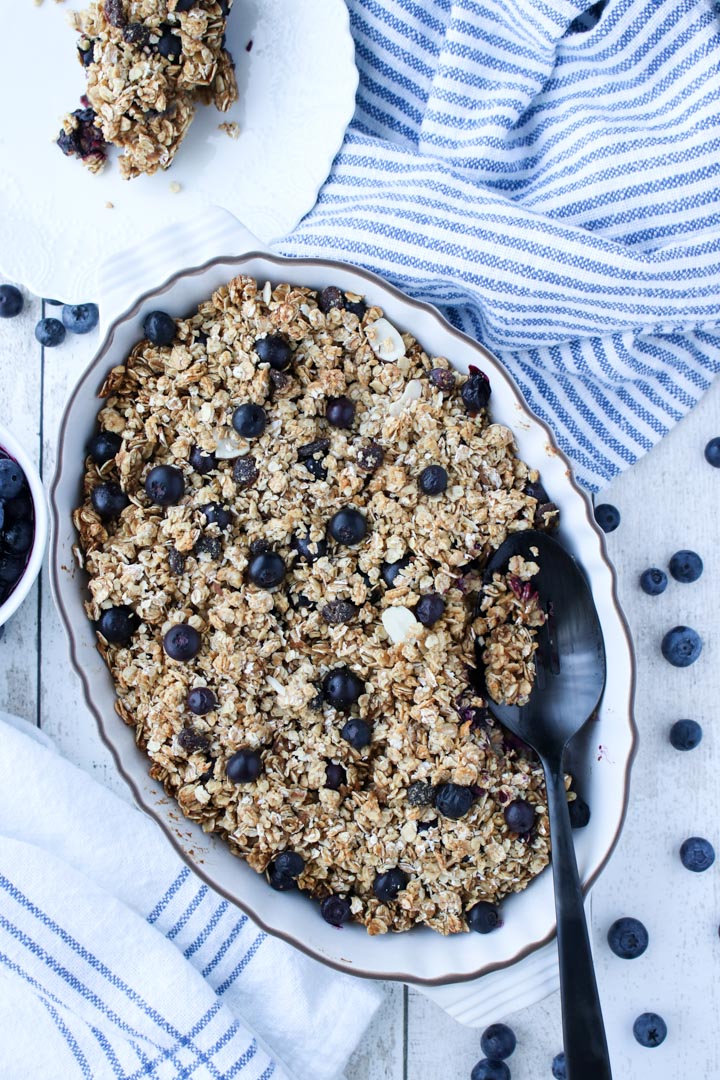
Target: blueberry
x,y
650,1029
312,449
443,378
685,734
357,732
244,766
330,298
536,490
628,938
203,462
103,447
335,910
283,870
245,472
50,333
559,1069
109,500
274,350
210,546
579,812
184,5
429,609
266,570
114,12
182,642
335,776
216,514
339,612
341,688
483,917
653,581
520,816
12,479
340,412
390,571
697,854
201,700
475,391
80,318
18,509
159,328
249,420
356,307
165,485
2,516
371,457
453,800
11,301
686,566
11,568
681,646
490,1070
193,741
309,550
316,468
498,1042
607,517
421,793
170,46
134,33
712,452
118,624
433,480
348,526
387,886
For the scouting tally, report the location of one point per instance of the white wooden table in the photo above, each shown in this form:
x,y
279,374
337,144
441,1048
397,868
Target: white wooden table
x,y
668,501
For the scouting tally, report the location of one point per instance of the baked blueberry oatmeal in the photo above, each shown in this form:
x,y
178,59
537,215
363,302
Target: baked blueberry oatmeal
x,y
287,507
148,64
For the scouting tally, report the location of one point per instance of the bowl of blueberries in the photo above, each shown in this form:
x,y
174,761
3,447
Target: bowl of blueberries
x,y
23,524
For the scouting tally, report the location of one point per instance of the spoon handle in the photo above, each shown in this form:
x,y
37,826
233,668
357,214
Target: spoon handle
x,y
586,1052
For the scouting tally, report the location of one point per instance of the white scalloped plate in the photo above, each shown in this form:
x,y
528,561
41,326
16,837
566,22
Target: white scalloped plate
x,y
297,95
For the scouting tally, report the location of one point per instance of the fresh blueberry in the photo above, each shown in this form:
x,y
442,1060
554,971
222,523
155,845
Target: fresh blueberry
x,y
498,1042
182,642
170,46
628,938
309,550
371,457
118,624
19,537
653,581
316,468
429,609
184,5
244,766
249,420
536,490
201,700
453,800
104,446
165,485
681,646
357,732
341,688
335,910
650,1029
18,509
330,298
348,526
697,854
686,566
483,917
284,869
443,378
475,391
685,734
11,301
202,461
338,612
50,333
421,793
2,516
80,318
387,886
216,514
433,480
159,328
335,776
607,517
109,500
390,571
487,1069
193,741
559,1069
579,812
340,412
274,350
712,452
11,568
267,570
520,816
356,307
245,472
12,479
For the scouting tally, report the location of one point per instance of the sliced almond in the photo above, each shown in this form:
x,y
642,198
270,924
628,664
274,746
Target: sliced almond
x,y
412,392
225,449
385,341
399,622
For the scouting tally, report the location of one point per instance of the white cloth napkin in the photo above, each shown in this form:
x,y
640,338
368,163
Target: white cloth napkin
x,y
115,961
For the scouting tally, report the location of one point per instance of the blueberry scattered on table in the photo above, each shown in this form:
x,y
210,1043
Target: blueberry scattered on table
x,y
453,800
118,624
520,816
712,452
244,766
201,700
653,581
249,420
498,1042
650,1029
559,1069
284,869
182,642
266,570
109,500
579,812
483,917
357,732
80,318
103,446
487,1069
697,854
340,412
348,526
429,609
685,734
681,646
274,350
341,688
50,333
433,480
165,485
335,910
387,886
607,517
159,327
204,462
686,566
628,938
11,301
475,391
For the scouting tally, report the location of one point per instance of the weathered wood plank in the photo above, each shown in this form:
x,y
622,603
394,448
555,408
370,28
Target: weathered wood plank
x,y
381,1055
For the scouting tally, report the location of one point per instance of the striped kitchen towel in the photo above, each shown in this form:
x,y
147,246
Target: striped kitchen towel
x,y
116,963
546,172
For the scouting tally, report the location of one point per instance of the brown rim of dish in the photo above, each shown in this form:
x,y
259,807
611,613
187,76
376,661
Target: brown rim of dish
x,y
326,266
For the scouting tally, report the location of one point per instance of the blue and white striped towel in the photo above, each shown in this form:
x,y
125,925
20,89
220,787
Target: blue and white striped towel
x,y
116,963
552,188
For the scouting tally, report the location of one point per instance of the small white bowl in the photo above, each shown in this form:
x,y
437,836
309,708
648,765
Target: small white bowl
x,y
11,446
